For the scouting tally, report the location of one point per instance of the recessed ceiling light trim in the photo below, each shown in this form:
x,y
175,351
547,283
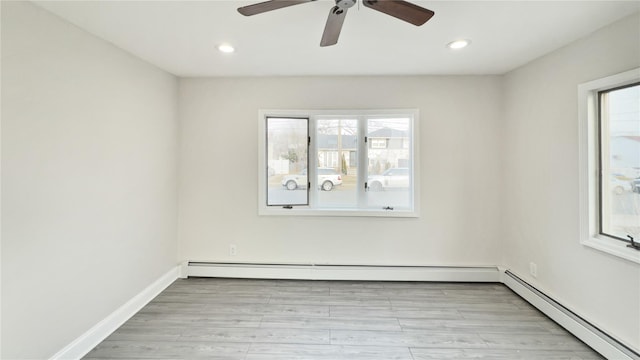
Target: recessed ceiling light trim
x,y
226,48
459,44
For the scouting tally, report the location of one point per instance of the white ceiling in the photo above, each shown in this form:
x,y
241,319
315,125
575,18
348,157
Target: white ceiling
x,y
181,36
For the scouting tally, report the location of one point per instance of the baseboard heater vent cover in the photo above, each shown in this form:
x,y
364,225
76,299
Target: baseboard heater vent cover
x,y
599,340
342,272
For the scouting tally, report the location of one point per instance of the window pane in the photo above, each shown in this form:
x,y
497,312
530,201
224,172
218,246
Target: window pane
x,y
337,150
287,159
389,163
620,162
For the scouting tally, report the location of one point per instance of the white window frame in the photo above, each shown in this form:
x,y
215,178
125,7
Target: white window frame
x,y
263,209
588,138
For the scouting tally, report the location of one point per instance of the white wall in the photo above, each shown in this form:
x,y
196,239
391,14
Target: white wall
x,y
89,188
460,189
541,192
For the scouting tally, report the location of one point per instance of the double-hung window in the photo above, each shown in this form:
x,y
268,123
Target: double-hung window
x,y
610,164
338,163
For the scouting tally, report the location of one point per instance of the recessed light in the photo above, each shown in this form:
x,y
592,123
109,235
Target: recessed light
x,y
226,48
458,44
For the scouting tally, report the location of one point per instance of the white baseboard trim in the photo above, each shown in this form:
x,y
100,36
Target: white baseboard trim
x,y
344,272
90,339
580,328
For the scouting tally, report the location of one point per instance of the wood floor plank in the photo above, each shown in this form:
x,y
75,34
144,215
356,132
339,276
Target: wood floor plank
x,y
388,311
118,349
459,304
272,309
393,293
204,298
537,342
330,300
243,290
493,354
251,335
501,314
474,326
406,338
195,319
237,309
163,307
331,323
240,319
326,352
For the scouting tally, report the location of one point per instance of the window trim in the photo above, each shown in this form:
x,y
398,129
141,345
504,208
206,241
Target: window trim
x,y
589,165
263,209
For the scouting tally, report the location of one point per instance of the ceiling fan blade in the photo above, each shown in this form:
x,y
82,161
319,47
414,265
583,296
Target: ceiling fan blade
x,y
268,6
402,10
334,25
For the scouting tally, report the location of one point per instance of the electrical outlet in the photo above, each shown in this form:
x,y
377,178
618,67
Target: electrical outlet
x,y
533,269
233,250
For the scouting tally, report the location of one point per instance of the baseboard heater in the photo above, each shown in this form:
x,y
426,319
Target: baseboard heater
x,y
341,272
590,334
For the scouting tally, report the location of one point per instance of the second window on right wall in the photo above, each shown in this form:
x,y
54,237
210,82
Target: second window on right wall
x,y
619,161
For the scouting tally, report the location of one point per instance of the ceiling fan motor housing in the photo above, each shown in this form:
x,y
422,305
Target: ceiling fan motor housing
x,y
345,4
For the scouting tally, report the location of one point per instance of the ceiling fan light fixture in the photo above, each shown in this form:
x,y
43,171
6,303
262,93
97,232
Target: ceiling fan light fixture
x,y
459,44
399,9
226,48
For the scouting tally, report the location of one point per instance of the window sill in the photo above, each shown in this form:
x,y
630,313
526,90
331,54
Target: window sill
x,y
613,247
302,211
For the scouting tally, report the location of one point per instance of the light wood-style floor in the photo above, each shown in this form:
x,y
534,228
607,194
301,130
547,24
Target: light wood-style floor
x,y
240,319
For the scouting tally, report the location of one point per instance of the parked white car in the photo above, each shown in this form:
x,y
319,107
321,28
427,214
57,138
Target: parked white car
x,y
619,187
394,178
328,178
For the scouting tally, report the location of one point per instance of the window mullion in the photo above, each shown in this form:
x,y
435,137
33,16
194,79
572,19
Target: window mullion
x,y
363,163
313,162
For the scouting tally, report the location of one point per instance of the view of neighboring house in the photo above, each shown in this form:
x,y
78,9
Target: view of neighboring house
x,y
329,148
387,148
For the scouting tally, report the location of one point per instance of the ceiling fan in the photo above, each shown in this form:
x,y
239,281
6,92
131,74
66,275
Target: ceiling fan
x,y
400,9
